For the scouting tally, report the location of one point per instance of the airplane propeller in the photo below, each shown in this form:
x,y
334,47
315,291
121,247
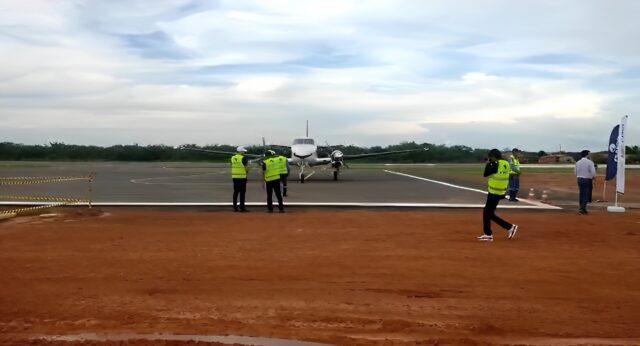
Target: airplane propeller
x,y
336,156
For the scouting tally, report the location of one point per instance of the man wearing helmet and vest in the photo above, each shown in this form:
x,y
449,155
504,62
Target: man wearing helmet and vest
x,y
497,170
272,170
514,175
284,173
239,175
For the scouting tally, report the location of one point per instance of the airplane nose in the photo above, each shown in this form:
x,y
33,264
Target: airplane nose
x,y
302,155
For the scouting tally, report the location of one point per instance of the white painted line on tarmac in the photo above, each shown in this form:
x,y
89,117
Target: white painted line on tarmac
x,y
540,205
293,204
436,182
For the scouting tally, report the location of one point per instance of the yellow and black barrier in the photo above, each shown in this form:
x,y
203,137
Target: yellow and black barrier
x,y
51,201
28,209
39,180
45,199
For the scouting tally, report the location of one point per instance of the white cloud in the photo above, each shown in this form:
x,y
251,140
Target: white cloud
x,y
259,85
389,128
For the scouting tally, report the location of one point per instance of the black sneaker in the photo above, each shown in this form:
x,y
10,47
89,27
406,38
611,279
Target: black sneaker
x,y
244,210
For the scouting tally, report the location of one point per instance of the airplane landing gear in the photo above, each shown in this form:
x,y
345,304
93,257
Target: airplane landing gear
x,y
335,175
303,177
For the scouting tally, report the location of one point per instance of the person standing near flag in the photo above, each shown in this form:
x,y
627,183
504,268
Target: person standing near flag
x,y
585,172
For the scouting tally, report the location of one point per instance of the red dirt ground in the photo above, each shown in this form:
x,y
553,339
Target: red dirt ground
x,y
341,277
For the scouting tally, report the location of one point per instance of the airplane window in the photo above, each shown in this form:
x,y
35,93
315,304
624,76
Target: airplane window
x,y
303,141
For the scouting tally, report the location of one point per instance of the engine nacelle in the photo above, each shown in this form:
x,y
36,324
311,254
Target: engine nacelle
x,y
336,158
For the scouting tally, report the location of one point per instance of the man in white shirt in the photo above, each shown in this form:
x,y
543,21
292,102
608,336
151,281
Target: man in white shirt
x,y
585,172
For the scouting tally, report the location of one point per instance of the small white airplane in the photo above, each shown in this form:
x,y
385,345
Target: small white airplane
x,y
304,153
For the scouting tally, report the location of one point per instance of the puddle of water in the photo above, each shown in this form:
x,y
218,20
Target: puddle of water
x,y
228,339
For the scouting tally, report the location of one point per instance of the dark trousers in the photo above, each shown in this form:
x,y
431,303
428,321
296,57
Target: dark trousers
x,y
239,189
514,186
489,214
585,186
283,180
274,186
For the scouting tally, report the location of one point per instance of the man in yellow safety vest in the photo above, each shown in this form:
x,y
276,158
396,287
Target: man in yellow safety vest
x,y
514,175
497,171
283,164
272,170
239,176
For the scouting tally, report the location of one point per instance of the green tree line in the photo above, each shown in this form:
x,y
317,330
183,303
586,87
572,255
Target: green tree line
x,y
70,152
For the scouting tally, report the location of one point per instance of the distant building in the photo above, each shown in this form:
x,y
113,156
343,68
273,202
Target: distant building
x,y
558,158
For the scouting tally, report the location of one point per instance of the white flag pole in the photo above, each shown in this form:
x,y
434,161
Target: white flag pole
x,y
620,176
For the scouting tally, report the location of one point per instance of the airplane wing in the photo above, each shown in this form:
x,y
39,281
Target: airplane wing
x,y
362,156
229,153
327,160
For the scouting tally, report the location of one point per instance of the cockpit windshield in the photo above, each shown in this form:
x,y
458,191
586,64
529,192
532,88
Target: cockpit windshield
x,y
303,141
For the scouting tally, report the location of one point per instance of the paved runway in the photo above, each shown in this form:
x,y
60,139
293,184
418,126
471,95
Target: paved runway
x,y
118,182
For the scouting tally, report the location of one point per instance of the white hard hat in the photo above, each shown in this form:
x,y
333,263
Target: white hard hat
x,y
241,149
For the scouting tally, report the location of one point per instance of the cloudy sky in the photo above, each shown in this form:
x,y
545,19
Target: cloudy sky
x,y
532,74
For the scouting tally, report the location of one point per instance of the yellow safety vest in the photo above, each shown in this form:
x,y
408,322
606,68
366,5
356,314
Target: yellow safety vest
x,y
238,170
499,181
273,170
516,166
282,164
